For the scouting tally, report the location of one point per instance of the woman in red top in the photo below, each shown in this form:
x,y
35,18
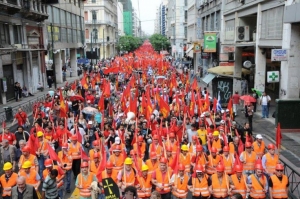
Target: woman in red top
x,y
8,136
21,117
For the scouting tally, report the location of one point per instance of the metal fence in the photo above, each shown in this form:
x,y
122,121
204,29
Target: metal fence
x,y
26,106
294,180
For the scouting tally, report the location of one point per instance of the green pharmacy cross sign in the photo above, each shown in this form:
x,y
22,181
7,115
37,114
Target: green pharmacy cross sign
x,y
273,76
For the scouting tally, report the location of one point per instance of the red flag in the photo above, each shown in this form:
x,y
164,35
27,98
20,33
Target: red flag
x,y
63,112
111,70
237,161
194,84
52,153
229,107
83,82
106,90
33,144
133,104
3,124
278,136
164,108
174,164
84,155
79,136
215,105
103,161
73,86
192,104
101,104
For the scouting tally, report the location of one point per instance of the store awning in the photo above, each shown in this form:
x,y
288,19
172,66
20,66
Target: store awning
x,y
208,78
191,54
189,49
226,70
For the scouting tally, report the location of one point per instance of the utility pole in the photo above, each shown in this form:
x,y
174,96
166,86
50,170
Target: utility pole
x,y
53,65
103,44
91,48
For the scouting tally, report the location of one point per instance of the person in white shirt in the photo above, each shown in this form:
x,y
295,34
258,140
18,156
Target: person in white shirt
x,y
264,102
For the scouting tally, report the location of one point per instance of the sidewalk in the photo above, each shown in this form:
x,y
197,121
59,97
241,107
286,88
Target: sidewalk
x,y
27,102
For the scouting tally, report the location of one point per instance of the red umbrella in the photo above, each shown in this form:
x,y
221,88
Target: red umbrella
x,y
76,97
248,98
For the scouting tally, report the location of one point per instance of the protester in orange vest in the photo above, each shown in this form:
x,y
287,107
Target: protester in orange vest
x,y
258,183
228,160
42,152
200,157
94,164
161,179
31,176
145,186
66,160
248,158
213,161
172,143
74,149
169,153
217,142
8,180
117,158
152,163
155,147
221,185
136,159
127,176
185,158
239,181
95,149
115,144
259,146
84,181
278,184
270,160
109,172
234,146
198,184
180,183
140,147
192,145
27,156
60,177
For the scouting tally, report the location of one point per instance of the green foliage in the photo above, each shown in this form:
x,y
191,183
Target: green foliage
x,y
159,42
129,43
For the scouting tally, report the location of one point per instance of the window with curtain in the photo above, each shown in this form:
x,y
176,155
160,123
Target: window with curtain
x,y
229,30
272,23
17,34
4,34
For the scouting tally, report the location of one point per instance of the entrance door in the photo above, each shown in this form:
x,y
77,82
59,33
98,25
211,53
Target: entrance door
x,y
9,75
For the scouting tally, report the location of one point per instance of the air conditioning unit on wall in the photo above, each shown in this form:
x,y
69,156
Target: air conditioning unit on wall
x,y
242,33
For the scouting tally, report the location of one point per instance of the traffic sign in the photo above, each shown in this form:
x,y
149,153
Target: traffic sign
x,y
273,76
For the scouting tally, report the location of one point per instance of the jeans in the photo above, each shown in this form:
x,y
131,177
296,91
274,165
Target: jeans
x,y
265,111
205,148
101,196
67,179
60,192
41,160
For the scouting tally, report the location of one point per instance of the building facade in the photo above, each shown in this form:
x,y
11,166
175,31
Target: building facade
x,y
136,24
23,46
120,20
101,28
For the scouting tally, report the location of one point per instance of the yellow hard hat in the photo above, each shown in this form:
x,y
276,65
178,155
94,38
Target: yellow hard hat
x,y
39,134
26,165
145,167
184,147
216,133
7,166
128,161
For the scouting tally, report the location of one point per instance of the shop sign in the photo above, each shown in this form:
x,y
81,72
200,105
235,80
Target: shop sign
x,y
273,76
210,42
279,55
197,47
204,55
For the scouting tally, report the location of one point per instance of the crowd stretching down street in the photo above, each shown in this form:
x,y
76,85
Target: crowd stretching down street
x,y
145,125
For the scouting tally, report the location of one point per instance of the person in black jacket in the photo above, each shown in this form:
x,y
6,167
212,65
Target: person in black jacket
x,y
16,89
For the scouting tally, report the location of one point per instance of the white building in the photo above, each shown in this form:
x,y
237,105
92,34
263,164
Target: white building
x,y
191,27
157,22
136,24
101,27
120,20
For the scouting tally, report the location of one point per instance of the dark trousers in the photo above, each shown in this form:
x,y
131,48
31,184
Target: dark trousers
x,y
76,167
200,197
166,195
250,117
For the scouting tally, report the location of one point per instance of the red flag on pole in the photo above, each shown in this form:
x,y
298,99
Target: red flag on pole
x,y
174,164
84,155
52,154
278,136
103,163
33,144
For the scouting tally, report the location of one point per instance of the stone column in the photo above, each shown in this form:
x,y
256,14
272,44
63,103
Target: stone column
x,y
73,61
237,73
63,56
11,34
58,68
3,95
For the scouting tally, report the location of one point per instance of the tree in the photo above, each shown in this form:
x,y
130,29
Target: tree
x,y
159,42
129,43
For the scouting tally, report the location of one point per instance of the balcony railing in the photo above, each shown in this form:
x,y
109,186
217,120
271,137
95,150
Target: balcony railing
x,y
105,22
14,3
100,41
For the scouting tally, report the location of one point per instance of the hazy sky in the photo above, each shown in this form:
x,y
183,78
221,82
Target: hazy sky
x,y
147,13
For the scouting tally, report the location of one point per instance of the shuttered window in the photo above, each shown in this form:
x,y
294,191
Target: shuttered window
x,y
272,23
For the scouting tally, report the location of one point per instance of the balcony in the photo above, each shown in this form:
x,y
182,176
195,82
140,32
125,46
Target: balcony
x,y
11,6
100,41
34,10
100,22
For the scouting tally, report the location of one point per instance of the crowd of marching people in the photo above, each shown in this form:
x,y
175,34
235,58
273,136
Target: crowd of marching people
x,y
149,128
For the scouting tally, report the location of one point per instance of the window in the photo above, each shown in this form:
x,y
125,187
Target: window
x,y
4,34
229,30
64,35
94,15
69,33
74,35
93,1
86,16
63,17
49,11
74,24
68,19
212,22
17,34
272,23
87,33
56,19
78,36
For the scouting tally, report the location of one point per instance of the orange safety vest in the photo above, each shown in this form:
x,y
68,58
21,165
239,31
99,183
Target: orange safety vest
x,y
158,150
220,190
170,160
128,179
93,167
8,185
257,191
113,175
231,148
43,147
250,161
200,187
146,186
164,182
85,182
139,164
117,161
59,178
74,150
271,162
228,162
31,158
240,185
113,146
92,152
181,190
200,159
186,161
279,187
259,149
174,146
65,160
212,163
152,167
192,149
30,178
141,149
217,144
